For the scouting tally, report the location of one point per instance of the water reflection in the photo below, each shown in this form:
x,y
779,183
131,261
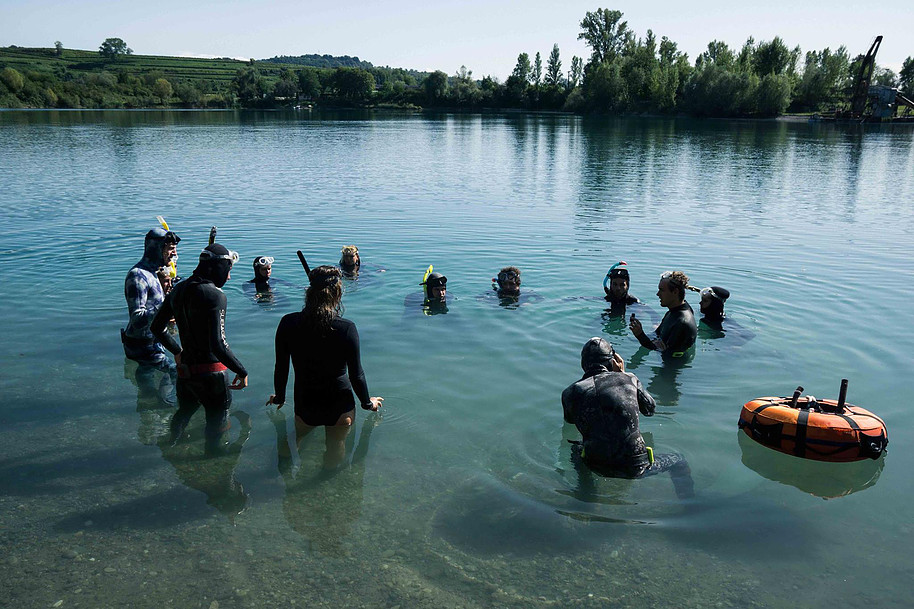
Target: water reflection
x,y
211,474
663,384
321,504
825,480
155,399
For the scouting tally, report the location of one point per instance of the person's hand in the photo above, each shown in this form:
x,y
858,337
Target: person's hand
x,y
240,382
376,403
272,401
635,326
618,364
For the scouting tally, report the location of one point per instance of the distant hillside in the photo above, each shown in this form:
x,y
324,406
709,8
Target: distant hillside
x,y
321,61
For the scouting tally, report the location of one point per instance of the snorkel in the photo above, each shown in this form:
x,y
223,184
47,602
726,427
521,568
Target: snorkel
x,y
304,264
610,272
172,269
212,235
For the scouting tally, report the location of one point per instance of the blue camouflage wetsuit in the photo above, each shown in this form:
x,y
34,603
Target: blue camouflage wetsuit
x,y
144,296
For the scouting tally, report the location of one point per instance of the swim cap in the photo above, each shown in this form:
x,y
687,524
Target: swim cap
x,y
597,351
434,280
215,263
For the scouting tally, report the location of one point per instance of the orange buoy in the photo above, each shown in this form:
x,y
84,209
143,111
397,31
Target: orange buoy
x,y
824,430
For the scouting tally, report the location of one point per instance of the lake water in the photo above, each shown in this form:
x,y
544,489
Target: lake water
x,y
462,493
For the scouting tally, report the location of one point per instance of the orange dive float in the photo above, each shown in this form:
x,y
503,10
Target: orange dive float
x,y
823,430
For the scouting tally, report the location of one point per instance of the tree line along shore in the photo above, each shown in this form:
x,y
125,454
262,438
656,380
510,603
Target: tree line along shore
x,y
625,74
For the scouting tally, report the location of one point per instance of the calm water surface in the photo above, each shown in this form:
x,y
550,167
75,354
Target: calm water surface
x,y
462,492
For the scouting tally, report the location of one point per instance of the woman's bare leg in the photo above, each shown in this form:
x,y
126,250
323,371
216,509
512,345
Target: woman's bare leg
x,y
336,440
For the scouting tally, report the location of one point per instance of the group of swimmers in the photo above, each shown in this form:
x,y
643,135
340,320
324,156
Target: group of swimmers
x,y
324,350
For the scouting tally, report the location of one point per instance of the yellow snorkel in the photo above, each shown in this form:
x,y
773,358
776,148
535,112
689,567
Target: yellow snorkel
x,y
172,269
428,272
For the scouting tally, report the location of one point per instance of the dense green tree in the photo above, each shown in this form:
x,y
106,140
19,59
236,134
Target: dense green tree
x,y
605,33
465,91
353,84
537,75
576,72
522,69
112,48
188,94
773,95
823,79
774,58
250,87
717,53
435,86
309,83
163,90
906,78
286,89
554,67
58,48
12,79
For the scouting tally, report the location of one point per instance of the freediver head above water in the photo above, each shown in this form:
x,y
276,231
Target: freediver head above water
x,y
350,261
508,282
616,284
263,268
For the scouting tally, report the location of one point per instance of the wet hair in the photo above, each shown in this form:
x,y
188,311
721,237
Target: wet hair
x,y
679,281
322,300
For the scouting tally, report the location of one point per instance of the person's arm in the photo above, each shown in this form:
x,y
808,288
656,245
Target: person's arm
x,y
646,402
218,346
159,327
635,325
567,404
135,290
281,368
354,365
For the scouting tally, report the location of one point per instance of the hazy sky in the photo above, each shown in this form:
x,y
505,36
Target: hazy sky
x,y
486,36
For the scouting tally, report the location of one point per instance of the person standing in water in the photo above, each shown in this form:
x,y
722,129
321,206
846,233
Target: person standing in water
x,y
203,356
507,283
325,353
677,330
144,293
604,406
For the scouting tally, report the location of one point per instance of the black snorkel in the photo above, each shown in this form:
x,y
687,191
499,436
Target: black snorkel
x,y
304,264
212,235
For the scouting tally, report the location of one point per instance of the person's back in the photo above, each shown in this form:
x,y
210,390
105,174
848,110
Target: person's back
x,y
604,407
321,359
199,310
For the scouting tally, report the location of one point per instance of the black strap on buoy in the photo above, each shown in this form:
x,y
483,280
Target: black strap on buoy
x,y
799,448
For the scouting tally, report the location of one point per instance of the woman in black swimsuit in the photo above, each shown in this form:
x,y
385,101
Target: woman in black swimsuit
x,y
324,349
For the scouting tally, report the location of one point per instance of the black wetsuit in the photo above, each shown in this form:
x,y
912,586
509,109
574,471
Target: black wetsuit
x,y
198,306
677,330
323,389
604,407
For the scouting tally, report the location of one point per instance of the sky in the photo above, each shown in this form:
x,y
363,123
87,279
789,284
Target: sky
x,y
485,36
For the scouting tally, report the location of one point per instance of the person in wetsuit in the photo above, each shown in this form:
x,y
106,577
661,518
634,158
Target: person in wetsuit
x,y
435,286
350,260
677,330
604,406
324,349
203,356
712,305
144,293
507,283
263,268
616,291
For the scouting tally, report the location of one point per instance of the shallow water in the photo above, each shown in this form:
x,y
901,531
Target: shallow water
x,y
462,492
